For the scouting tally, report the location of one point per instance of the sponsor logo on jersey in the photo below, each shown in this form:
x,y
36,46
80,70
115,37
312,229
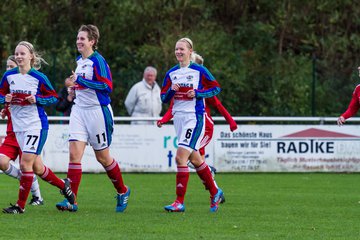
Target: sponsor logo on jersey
x,y
86,65
12,83
175,78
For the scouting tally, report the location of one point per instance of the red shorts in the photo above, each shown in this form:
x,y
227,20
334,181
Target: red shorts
x,y
10,147
209,130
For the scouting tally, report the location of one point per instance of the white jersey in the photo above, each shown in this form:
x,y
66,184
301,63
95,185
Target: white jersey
x,y
195,77
24,115
94,81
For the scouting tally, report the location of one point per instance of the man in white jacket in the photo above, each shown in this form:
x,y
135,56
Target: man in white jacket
x,y
143,99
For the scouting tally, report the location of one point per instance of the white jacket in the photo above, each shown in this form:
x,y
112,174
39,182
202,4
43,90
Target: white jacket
x,y
143,101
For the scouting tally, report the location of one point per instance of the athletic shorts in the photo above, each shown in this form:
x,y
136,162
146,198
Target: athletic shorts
x,y
10,147
94,125
209,130
190,129
32,141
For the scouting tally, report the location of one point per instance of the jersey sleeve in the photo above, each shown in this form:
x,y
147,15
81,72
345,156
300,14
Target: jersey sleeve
x,y
102,77
46,94
166,93
218,105
209,86
4,88
130,100
168,115
353,105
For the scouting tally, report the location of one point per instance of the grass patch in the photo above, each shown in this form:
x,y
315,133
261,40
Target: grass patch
x,y
258,206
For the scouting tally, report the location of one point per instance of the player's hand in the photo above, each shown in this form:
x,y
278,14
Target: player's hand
x,y
233,127
68,82
159,123
191,93
3,113
73,77
8,97
31,99
175,87
340,121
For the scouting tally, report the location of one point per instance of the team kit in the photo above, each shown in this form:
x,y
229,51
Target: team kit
x,y
188,87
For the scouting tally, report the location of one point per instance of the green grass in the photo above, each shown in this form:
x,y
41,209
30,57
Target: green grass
x,y
258,206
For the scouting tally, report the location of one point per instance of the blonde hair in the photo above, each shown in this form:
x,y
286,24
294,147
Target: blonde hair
x,y
197,58
37,59
93,33
189,44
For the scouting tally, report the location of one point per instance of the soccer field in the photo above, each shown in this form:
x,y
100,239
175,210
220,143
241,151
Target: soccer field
x,y
258,206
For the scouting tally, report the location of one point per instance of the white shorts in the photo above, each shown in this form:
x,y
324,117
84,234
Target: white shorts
x,y
32,141
94,125
190,129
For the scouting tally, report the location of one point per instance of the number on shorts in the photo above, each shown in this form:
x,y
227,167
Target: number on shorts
x,y
30,137
98,137
188,133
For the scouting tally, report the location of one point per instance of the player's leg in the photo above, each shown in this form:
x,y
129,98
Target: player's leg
x,y
77,142
76,149
100,130
182,179
113,171
26,180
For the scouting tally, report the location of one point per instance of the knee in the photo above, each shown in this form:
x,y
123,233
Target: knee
x,y
179,160
4,164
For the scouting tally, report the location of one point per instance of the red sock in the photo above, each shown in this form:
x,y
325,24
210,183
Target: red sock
x,y
74,174
114,173
26,180
51,178
182,179
205,175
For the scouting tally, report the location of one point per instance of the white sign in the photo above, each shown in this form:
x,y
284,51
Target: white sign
x,y
251,148
288,148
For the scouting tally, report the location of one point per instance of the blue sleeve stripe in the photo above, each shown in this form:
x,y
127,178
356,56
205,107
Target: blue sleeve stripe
x,y
209,93
46,101
92,84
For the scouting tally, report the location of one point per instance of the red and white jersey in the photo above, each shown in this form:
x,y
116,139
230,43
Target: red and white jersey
x,y
94,81
195,77
27,116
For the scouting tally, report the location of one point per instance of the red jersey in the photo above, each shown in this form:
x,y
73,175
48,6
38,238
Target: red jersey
x,y
10,146
354,104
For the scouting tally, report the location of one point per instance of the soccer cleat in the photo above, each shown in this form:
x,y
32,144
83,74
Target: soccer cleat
x,y
122,200
66,206
35,201
67,192
215,200
175,207
13,209
222,199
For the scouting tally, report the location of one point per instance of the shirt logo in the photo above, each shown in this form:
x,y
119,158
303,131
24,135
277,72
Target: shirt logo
x,y
12,83
189,78
175,78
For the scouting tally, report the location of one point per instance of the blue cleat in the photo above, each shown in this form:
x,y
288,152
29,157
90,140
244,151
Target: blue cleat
x,y
175,207
215,200
122,200
66,206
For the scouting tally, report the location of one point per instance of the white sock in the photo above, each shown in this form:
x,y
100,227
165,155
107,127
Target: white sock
x,y
13,171
35,188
